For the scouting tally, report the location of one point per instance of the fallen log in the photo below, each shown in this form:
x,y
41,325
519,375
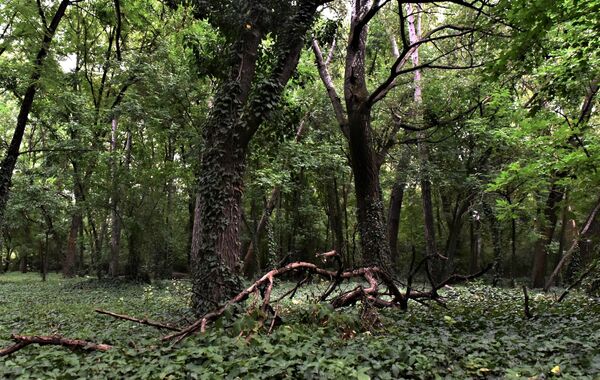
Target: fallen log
x,y
146,322
57,340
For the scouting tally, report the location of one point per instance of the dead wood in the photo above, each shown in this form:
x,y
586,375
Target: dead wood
x,y
577,282
137,320
367,294
57,340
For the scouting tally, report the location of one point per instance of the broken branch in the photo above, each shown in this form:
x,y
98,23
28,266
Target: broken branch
x,y
141,321
57,340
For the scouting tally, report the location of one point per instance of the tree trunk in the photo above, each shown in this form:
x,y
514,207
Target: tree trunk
x,y
134,240
365,164
240,106
475,244
547,227
496,233
396,198
414,34
115,221
70,260
374,242
335,217
10,160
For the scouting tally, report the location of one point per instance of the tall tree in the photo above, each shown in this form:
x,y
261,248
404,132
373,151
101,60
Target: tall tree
x,y
245,97
12,154
355,115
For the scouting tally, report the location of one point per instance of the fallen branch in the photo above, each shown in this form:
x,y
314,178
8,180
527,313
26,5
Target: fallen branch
x,y
57,340
141,321
372,275
201,323
589,221
577,282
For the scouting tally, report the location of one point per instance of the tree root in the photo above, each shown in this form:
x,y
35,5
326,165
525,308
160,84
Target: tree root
x,y
24,341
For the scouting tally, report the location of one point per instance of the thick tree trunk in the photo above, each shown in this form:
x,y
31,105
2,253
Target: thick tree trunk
x,y
496,233
475,232
134,256
364,161
240,106
374,242
547,227
10,160
70,261
215,244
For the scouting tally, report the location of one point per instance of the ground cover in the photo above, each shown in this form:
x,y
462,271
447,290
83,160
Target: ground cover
x,y
482,333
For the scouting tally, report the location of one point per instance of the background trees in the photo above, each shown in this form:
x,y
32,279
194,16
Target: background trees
x,y
158,137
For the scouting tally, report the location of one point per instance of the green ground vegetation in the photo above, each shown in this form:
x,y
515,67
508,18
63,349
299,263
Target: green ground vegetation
x,y
482,333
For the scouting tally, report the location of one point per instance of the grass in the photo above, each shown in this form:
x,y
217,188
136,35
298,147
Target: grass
x,y
482,334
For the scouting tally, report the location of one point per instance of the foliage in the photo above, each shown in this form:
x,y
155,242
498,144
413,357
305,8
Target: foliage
x,y
482,334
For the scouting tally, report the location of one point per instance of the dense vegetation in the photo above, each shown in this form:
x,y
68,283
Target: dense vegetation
x,y
483,333
419,143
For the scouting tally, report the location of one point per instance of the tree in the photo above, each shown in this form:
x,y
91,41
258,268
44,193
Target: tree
x,y
249,88
355,115
10,159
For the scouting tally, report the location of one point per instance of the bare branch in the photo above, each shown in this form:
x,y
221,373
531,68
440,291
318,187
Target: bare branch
x,y
381,91
328,82
42,14
136,320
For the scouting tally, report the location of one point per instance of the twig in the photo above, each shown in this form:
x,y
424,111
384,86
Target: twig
x,y
142,321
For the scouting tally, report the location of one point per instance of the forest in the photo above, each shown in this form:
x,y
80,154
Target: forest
x,y
314,189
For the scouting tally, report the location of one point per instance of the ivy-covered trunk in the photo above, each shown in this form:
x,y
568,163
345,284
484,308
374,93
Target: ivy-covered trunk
x,y
216,243
374,242
244,99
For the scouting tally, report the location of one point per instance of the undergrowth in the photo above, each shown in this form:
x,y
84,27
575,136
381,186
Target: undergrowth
x,y
481,334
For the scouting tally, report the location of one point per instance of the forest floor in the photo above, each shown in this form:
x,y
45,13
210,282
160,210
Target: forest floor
x,y
482,333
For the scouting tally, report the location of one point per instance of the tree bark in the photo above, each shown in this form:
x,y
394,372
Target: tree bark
x,y
241,104
70,261
10,160
365,164
115,221
395,207
496,233
547,227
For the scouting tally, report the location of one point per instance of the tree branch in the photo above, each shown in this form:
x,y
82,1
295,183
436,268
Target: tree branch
x,y
340,114
24,341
